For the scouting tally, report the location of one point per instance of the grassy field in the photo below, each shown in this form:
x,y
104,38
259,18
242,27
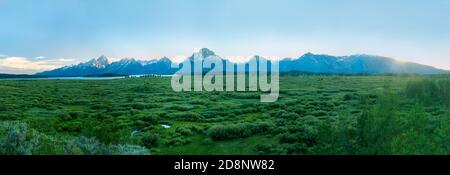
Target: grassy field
x,y
314,115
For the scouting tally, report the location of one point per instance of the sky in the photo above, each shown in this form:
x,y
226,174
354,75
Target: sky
x,y
46,34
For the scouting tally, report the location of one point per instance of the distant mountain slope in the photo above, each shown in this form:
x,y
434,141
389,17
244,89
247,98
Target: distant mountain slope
x,y
101,66
92,67
354,64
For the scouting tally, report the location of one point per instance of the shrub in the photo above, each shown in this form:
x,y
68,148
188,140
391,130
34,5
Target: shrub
x,y
226,132
150,140
177,141
263,149
185,116
348,97
180,108
300,111
71,126
128,150
18,139
90,146
289,116
212,114
3,107
149,118
319,113
220,132
184,130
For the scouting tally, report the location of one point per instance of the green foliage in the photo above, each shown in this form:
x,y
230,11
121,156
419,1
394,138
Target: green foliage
x,y
17,139
90,146
185,116
382,129
429,91
315,114
150,140
233,131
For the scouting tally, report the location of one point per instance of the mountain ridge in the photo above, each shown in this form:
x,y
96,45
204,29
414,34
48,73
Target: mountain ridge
x,y
309,63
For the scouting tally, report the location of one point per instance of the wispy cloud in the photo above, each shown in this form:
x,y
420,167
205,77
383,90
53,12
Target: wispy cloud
x,y
65,60
22,65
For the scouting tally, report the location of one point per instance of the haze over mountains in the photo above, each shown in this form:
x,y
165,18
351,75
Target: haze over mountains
x,y
308,63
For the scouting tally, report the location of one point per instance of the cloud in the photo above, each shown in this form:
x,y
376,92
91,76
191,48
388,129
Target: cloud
x,y
65,60
40,57
22,65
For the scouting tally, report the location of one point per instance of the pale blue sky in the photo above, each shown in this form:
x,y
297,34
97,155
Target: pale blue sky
x,y
51,33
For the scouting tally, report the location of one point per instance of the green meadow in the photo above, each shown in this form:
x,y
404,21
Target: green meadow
x,y
315,114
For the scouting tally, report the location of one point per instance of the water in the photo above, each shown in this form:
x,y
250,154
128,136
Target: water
x,y
166,126
143,75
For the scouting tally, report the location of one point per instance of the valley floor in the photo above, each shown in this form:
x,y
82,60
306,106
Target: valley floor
x,y
314,115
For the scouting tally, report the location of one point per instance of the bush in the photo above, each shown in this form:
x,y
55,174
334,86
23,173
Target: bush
x,y
140,105
226,132
18,139
150,140
319,113
178,141
220,132
90,146
348,97
265,149
86,146
128,150
184,130
289,116
180,108
71,127
185,116
149,118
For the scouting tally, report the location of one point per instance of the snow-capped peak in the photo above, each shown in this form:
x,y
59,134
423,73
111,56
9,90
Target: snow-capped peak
x,y
100,62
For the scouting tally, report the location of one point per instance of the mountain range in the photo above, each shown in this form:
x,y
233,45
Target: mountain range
x,y
308,63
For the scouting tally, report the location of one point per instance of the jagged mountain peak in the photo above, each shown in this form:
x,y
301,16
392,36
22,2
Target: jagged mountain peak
x,y
308,54
100,62
206,52
202,54
309,62
165,59
102,58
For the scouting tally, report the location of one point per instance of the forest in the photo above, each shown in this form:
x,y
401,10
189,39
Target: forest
x,y
314,115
